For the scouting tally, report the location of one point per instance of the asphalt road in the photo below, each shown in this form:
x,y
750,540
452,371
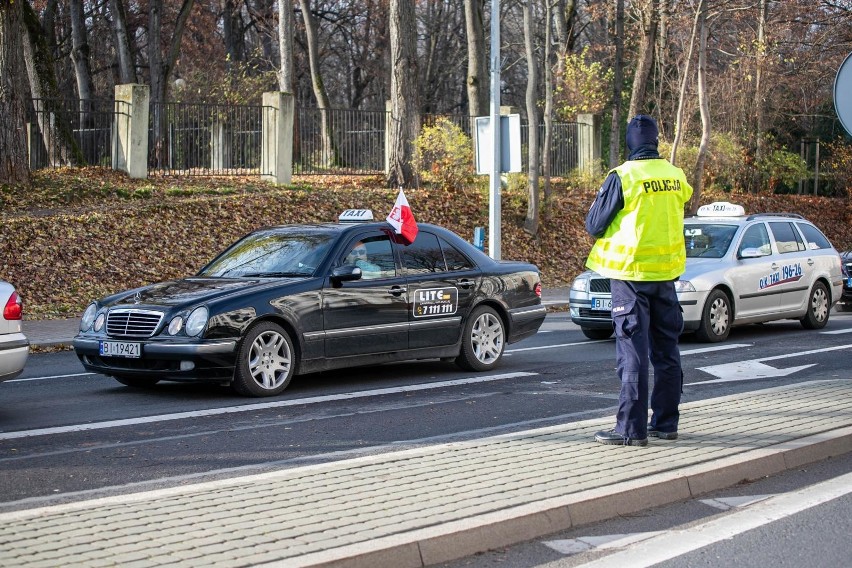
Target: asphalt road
x,y
66,434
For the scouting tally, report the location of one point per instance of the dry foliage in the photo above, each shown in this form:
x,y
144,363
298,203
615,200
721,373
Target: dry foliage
x,y
78,234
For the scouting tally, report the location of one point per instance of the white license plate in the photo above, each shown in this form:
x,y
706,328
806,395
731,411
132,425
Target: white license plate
x,y
121,349
602,304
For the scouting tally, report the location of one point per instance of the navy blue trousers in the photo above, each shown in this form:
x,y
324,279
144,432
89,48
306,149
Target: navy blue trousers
x,y
648,321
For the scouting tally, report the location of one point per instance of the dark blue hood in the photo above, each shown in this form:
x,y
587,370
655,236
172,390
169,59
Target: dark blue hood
x,y
642,138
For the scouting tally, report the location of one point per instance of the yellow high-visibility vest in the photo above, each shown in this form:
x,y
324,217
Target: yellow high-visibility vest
x,y
644,242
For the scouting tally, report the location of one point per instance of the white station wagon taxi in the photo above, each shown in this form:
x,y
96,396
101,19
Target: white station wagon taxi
x,y
740,269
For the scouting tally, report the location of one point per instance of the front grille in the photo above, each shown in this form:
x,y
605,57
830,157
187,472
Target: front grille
x,y
595,314
133,323
599,285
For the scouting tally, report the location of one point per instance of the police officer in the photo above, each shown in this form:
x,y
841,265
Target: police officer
x,y
637,218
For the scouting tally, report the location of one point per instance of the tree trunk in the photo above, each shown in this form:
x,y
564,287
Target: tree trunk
x,y
649,17
126,65
82,68
704,105
405,118
477,75
330,154
161,69
617,86
53,120
549,62
14,166
682,97
285,45
531,220
760,113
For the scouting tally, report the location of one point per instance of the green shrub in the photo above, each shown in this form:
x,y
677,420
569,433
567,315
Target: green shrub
x,y
838,166
443,155
783,170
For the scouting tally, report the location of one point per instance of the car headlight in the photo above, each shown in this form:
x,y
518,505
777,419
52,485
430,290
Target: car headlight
x,y
88,317
581,284
99,321
684,286
196,321
175,325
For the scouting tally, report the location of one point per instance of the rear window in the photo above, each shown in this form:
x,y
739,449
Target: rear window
x,y
814,239
787,239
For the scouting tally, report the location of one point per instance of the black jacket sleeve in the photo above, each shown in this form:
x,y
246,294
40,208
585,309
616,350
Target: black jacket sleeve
x,y
609,201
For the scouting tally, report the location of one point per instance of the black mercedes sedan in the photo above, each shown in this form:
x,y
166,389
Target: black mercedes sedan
x,y
297,299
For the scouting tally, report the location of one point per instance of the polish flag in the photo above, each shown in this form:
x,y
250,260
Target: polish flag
x,y
402,219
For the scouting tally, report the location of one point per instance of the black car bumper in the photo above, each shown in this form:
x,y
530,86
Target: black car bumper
x,y
210,360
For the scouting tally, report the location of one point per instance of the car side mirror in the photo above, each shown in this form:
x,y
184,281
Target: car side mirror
x,y
346,273
751,253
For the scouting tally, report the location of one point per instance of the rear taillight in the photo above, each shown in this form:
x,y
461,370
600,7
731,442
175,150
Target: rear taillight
x,y
538,289
14,307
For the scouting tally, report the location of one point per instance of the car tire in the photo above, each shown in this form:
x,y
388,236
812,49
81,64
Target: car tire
x,y
597,333
136,382
819,307
483,341
266,361
716,318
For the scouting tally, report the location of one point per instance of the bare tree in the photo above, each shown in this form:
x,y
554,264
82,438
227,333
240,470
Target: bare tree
x,y
549,63
126,64
617,86
531,220
704,105
759,102
404,116
648,17
684,81
14,168
477,76
285,43
80,57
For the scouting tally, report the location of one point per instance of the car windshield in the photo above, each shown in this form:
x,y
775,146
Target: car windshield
x,y
708,240
272,254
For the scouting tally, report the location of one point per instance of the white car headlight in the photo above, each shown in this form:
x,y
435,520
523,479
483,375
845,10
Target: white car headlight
x,y
99,321
196,321
88,317
684,286
175,325
581,284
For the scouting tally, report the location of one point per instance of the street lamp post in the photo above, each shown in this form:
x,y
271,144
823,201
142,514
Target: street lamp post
x,y
494,212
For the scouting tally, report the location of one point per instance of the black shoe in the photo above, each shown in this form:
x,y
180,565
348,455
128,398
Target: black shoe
x,y
662,435
613,438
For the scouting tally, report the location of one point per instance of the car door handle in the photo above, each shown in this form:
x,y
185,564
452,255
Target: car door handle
x,y
810,262
396,290
464,283
774,266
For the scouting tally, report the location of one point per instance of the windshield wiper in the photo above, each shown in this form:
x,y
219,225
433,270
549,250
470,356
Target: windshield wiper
x,y
274,275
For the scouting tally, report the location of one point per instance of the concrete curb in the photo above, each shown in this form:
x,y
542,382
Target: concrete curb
x,y
456,540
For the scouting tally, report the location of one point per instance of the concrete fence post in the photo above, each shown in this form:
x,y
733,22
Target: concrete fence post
x,y
130,130
276,153
589,143
220,145
388,124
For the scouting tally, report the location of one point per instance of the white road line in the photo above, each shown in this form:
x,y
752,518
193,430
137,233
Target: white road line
x,y
257,406
50,377
590,342
836,331
699,350
508,351
673,544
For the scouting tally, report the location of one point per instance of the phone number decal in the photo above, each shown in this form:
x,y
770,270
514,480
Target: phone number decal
x,y
435,302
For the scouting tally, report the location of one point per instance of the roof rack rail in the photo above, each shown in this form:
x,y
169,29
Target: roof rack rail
x,y
788,215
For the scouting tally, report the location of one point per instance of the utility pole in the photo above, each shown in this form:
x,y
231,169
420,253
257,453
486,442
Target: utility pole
x,y
494,213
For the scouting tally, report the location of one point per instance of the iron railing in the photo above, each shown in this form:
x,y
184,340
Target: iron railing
x,y
339,141
64,132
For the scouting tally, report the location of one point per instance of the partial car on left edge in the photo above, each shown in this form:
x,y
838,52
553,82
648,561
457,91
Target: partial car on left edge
x,y
14,346
297,299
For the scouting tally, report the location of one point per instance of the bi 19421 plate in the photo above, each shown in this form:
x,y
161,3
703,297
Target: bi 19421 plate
x,y
120,349
604,304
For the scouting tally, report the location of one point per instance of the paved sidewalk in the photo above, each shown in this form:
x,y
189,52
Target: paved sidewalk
x,y
429,505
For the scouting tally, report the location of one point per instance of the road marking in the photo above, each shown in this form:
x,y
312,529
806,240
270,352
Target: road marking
x,y
572,546
836,331
256,406
592,341
50,377
675,543
699,350
555,346
756,369
726,503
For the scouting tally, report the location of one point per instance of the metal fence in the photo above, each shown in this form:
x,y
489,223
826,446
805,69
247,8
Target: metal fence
x,y
217,139
63,131
204,139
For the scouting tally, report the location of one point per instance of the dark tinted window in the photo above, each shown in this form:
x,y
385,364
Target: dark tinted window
x,y
455,259
423,255
786,237
814,238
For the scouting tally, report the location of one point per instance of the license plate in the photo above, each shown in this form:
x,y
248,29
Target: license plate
x,y
849,282
120,349
604,304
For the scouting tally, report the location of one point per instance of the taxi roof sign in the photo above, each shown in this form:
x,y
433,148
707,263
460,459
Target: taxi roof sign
x,y
721,209
356,216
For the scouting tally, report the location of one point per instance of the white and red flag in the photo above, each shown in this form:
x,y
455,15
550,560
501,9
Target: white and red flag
x,y
402,219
